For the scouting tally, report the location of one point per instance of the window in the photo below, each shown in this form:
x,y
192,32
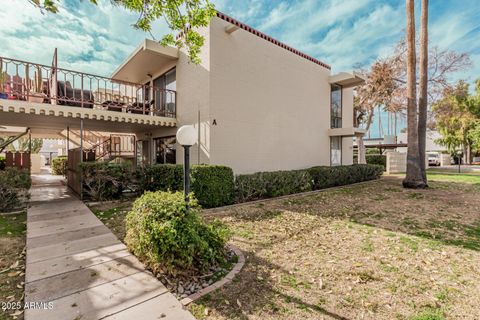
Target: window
x,y
336,106
143,153
165,97
335,151
165,150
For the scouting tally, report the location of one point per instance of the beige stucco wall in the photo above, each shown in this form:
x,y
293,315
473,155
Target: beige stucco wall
x,y
262,108
270,105
193,97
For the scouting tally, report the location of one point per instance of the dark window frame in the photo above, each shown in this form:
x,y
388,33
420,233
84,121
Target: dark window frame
x,y
336,119
155,146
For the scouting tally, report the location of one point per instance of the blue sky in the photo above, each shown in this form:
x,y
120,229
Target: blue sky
x,y
343,34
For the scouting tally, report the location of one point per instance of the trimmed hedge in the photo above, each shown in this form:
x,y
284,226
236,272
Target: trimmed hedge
x,y
160,177
213,186
260,185
263,185
59,166
378,159
169,238
216,186
14,184
327,177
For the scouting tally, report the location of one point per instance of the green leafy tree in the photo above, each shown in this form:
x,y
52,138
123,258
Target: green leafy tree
x,y
23,145
183,17
456,122
474,136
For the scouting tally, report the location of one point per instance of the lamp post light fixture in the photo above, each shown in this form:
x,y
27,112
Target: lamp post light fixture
x,y
187,137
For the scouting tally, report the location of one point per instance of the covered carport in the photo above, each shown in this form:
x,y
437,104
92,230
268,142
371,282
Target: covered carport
x,y
48,121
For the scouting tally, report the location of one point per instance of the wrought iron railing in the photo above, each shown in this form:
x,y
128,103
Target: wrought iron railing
x,y
33,82
117,145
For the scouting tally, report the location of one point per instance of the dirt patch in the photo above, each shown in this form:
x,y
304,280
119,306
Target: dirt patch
x,y
12,265
372,251
113,216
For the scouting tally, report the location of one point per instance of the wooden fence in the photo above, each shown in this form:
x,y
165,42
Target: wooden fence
x,y
19,160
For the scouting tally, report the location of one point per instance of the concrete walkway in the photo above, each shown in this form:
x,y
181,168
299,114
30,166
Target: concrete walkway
x,y
76,269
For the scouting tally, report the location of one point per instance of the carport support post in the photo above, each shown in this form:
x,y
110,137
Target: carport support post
x,y
68,139
81,158
30,150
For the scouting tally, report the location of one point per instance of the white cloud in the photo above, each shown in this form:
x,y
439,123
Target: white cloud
x,y
92,39
96,39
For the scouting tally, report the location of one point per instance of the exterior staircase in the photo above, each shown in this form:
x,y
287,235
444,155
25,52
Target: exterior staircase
x,y
105,146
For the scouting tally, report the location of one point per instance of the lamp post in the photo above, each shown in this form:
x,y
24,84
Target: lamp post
x,y
187,137
459,159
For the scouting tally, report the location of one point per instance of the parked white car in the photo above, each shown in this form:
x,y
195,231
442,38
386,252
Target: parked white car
x,y
433,159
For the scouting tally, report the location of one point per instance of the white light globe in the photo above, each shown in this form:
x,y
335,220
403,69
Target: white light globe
x,y
187,135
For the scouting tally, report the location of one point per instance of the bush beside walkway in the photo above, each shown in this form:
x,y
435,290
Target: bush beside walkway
x,y
14,185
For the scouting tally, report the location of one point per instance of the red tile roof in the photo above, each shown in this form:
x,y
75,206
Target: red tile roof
x,y
243,26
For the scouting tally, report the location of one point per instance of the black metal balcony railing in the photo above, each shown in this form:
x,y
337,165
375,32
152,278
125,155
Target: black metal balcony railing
x,y
21,80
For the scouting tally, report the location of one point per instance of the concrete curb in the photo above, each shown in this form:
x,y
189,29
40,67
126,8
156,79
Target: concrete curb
x,y
214,286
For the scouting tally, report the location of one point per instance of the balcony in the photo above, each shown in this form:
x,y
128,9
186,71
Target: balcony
x,y
42,84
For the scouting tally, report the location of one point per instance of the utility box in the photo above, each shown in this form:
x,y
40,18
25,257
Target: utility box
x,y
445,160
396,162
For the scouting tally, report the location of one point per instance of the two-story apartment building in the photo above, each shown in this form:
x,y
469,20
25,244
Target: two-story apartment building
x,y
258,104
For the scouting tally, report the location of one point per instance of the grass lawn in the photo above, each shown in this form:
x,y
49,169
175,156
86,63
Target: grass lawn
x,y
12,263
370,251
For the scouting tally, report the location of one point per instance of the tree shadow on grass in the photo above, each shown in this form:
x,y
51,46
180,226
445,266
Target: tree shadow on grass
x,y
255,291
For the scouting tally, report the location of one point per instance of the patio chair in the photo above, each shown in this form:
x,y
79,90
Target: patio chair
x,y
66,95
137,107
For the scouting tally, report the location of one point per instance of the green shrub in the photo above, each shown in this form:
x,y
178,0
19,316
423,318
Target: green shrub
x,y
9,198
213,186
161,177
167,237
262,185
105,181
13,185
378,159
59,166
372,151
16,178
326,177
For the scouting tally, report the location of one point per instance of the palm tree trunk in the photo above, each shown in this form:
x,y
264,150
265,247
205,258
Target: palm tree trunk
x,y
423,99
413,177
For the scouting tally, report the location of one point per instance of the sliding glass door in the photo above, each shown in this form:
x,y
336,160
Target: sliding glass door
x,y
165,97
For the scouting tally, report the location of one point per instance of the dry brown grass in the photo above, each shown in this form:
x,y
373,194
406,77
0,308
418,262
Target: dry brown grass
x,y
372,251
12,265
